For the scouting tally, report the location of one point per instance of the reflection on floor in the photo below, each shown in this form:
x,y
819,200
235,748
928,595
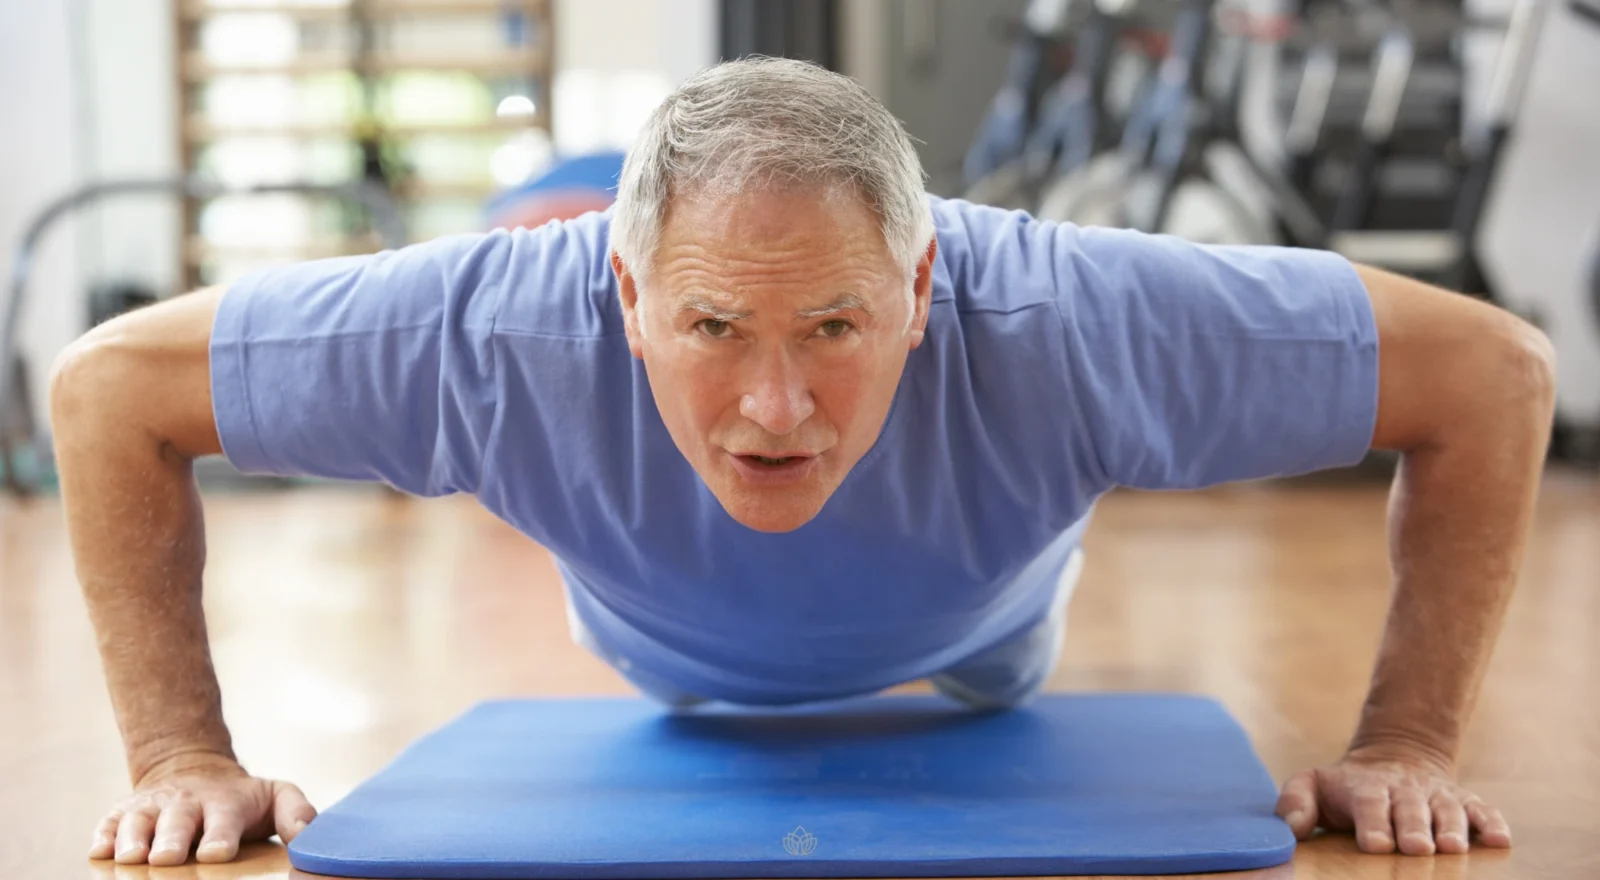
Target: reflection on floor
x,y
346,623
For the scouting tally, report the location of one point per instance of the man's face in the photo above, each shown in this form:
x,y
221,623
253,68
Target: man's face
x,y
774,330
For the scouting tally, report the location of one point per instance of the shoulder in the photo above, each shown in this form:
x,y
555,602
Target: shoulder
x,y
996,260
558,280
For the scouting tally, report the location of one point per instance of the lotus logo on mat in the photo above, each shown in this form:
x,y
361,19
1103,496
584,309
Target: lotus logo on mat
x,y
800,842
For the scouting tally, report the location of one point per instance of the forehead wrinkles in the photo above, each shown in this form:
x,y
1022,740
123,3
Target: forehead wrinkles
x,y
778,237
811,266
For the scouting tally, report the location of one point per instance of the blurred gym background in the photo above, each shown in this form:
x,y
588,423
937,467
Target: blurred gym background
x,y
155,146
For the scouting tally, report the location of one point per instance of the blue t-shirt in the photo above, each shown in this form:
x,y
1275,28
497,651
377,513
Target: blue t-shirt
x,y
1059,362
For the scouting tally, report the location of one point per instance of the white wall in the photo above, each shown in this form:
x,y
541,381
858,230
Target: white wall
x,y
132,135
1541,230
85,93
616,59
37,160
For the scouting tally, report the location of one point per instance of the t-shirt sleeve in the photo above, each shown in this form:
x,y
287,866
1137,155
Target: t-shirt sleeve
x,y
375,368
1192,365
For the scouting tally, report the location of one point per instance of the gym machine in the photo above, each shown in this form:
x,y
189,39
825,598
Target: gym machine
x,y
24,449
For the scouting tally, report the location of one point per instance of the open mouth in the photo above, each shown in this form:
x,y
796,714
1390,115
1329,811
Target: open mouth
x,y
770,462
774,470
767,461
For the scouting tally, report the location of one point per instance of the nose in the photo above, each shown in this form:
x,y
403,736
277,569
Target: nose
x,y
778,397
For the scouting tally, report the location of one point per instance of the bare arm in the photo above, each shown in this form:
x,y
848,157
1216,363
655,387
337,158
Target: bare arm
x,y
130,411
1466,393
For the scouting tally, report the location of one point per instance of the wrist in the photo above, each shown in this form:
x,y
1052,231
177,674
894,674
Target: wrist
x,y
1403,746
198,759
1409,718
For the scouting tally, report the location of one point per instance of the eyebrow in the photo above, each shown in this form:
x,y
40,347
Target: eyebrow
x,y
697,303
843,303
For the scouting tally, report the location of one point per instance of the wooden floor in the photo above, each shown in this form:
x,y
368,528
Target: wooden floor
x,y
347,623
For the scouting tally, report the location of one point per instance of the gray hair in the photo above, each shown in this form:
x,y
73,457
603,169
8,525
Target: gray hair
x,y
771,121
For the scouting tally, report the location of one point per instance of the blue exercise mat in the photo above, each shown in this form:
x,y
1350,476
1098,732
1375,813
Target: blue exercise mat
x,y
886,786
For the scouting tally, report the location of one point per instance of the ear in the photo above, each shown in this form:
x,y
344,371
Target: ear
x,y
628,294
922,288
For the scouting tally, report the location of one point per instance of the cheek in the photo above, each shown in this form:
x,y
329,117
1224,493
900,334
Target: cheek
x,y
847,387
700,386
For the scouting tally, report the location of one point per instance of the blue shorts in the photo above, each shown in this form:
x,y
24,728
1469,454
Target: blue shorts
x,y
1001,676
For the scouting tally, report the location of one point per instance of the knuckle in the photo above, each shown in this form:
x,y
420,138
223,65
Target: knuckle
x,y
1411,799
141,811
1371,798
222,817
1407,786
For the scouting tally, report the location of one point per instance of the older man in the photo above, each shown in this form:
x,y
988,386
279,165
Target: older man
x,y
795,430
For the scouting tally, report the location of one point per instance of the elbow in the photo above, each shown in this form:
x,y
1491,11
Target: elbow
x,y
138,383
72,385
1525,372
83,382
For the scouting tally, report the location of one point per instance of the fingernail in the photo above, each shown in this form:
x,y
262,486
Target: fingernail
x,y
1451,839
1377,838
213,845
1295,818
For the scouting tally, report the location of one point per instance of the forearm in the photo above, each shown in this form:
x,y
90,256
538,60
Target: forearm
x,y
135,520
1460,510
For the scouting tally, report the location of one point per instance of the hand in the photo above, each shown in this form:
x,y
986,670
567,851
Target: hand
x,y
1388,795
172,805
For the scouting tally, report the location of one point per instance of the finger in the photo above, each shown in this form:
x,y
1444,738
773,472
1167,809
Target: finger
x,y
133,835
1413,822
290,809
1298,803
175,831
104,842
1370,813
1449,823
225,825
1491,826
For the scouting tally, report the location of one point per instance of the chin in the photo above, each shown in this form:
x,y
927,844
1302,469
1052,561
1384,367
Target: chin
x,y
772,522
771,515
772,511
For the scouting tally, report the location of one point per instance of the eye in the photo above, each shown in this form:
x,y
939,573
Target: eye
x,y
835,329
713,328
